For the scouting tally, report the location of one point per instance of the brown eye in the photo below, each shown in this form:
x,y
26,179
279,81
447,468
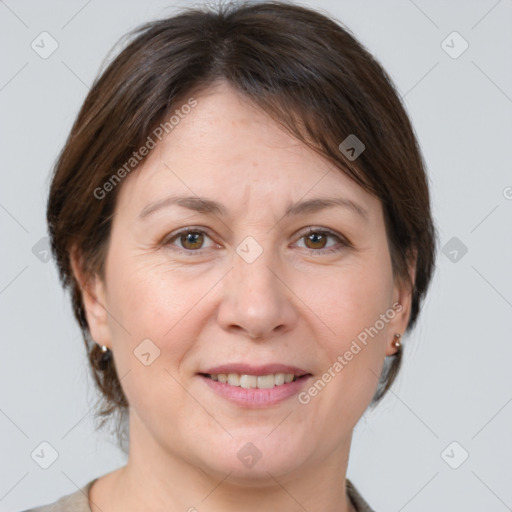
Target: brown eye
x,y
316,240
189,241
320,241
192,240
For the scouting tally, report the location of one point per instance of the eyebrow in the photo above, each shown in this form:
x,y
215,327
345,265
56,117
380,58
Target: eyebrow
x,y
208,206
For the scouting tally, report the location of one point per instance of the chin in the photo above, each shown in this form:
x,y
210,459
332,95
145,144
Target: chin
x,y
260,475
251,460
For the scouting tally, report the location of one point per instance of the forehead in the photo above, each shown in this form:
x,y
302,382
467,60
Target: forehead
x,y
228,149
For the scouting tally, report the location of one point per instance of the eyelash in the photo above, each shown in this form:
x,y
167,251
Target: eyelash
x,y
318,231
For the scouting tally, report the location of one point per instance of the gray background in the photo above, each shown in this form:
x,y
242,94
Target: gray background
x,y
456,384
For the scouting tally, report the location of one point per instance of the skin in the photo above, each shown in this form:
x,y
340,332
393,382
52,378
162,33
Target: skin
x,y
295,304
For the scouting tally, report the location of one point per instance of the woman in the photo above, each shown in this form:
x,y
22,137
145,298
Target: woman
x,y
242,214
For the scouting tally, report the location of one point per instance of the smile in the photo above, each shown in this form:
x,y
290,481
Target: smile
x,y
255,387
254,381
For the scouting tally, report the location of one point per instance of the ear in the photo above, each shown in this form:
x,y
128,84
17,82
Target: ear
x,y
401,304
93,298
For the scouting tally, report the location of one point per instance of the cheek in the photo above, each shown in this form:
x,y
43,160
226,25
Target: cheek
x,y
154,301
147,309
351,306
353,298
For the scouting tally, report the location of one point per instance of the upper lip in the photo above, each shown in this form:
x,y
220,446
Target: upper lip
x,y
247,369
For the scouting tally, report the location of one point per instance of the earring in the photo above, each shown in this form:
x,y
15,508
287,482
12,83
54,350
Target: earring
x,y
106,355
397,343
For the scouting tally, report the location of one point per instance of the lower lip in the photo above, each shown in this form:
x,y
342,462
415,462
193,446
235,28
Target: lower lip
x,y
254,397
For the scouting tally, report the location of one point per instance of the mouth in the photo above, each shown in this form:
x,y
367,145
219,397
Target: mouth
x,y
254,381
255,386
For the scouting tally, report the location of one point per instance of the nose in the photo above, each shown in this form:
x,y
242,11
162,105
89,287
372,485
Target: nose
x,y
257,300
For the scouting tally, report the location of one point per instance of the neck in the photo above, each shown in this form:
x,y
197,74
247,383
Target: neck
x,y
157,480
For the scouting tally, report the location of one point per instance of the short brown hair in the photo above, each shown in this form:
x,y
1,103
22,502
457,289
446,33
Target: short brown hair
x,y
303,69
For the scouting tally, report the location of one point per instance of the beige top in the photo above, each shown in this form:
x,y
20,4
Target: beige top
x,y
79,501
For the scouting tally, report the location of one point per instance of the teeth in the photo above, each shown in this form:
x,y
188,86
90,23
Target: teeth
x,y
279,378
248,381
266,381
253,381
234,379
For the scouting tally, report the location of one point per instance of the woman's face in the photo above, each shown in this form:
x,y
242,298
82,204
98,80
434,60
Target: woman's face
x,y
237,285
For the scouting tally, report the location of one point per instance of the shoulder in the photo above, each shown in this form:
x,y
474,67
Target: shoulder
x,y
356,498
77,501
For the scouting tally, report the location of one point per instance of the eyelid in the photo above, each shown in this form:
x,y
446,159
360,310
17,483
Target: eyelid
x,y
303,233
319,229
326,231
188,229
